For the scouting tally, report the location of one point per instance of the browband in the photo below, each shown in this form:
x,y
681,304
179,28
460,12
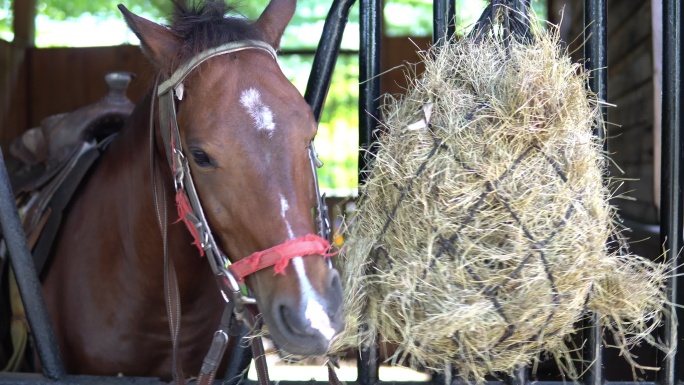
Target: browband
x,y
183,71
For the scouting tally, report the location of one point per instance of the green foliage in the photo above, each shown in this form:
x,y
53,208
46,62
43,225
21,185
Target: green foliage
x,y
415,17
65,9
338,138
6,19
337,141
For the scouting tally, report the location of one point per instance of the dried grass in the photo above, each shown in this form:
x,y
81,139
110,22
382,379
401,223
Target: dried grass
x,y
483,237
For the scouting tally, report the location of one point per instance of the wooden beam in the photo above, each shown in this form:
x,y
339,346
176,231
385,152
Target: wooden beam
x,y
24,22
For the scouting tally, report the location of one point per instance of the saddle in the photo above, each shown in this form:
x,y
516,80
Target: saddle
x,y
55,157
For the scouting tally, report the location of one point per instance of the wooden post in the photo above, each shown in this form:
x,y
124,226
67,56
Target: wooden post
x,y
24,23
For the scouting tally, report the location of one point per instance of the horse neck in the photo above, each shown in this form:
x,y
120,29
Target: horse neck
x,y
152,208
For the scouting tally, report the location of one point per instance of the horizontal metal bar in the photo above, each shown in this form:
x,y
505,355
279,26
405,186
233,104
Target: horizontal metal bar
x,y
456,382
305,51
38,379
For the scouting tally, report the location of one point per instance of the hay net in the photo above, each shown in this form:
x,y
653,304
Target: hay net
x,y
485,233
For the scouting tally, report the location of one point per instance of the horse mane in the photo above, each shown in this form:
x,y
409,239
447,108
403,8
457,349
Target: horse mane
x,y
204,24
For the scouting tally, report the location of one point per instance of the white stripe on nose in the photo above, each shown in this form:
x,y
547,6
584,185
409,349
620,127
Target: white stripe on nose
x,y
319,319
314,311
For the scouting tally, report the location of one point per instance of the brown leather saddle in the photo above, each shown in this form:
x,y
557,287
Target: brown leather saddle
x,y
55,157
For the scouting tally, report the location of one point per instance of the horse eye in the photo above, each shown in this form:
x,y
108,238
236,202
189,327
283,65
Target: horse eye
x,y
201,158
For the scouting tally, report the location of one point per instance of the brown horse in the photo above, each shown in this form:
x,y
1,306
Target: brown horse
x,y
245,131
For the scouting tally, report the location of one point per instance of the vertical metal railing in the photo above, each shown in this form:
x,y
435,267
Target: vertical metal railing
x,y
370,25
672,174
443,29
443,25
596,63
27,280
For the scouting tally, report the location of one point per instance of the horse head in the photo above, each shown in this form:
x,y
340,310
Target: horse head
x,y
245,132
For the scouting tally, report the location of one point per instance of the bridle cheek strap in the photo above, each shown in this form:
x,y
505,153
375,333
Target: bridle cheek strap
x,y
279,256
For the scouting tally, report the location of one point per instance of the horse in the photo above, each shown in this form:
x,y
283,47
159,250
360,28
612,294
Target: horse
x,y
244,133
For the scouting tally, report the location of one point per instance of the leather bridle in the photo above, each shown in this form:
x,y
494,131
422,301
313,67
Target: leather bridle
x,y
240,305
184,185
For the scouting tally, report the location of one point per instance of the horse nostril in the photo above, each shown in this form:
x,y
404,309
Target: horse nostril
x,y
334,296
287,317
334,280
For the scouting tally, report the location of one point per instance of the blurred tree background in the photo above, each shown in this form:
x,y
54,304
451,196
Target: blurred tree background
x,y
63,22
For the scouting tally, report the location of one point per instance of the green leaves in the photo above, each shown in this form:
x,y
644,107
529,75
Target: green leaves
x,y
65,9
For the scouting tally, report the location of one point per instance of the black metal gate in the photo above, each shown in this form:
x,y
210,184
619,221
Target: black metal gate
x,y
671,208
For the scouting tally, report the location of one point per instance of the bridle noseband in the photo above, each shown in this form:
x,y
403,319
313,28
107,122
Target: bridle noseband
x,y
229,275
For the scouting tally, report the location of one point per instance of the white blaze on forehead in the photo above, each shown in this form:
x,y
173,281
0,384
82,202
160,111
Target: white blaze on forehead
x,y
314,311
260,113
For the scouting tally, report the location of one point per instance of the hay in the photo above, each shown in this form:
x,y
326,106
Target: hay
x,y
485,232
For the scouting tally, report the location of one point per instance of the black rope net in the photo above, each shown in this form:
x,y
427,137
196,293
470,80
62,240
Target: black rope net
x,y
485,232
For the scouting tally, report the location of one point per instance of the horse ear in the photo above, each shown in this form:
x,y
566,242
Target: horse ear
x,y
158,43
274,19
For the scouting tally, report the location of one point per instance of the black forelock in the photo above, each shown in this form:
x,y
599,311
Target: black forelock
x,y
204,24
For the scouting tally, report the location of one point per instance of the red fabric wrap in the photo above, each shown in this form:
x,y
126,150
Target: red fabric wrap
x,y
182,202
279,256
184,208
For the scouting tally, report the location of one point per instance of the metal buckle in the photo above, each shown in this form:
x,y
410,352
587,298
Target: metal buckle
x,y
314,156
179,172
204,234
231,291
325,217
229,283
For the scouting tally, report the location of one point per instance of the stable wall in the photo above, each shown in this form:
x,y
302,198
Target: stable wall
x,y
631,91
37,83
13,92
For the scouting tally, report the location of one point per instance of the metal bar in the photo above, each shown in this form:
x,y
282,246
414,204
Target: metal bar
x,y
37,379
671,179
520,376
312,51
596,52
596,61
239,358
368,366
523,8
370,30
521,14
444,23
455,382
443,28
326,56
27,280
369,79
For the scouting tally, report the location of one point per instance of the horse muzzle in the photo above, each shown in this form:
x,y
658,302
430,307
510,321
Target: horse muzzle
x,y
307,325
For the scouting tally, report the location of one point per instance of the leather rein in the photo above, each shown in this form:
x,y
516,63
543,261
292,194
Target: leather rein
x,y
240,306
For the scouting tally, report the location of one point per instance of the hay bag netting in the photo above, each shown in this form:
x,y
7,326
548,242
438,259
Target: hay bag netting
x,y
484,232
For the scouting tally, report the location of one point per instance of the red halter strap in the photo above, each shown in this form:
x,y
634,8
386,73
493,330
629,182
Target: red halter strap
x,y
279,256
